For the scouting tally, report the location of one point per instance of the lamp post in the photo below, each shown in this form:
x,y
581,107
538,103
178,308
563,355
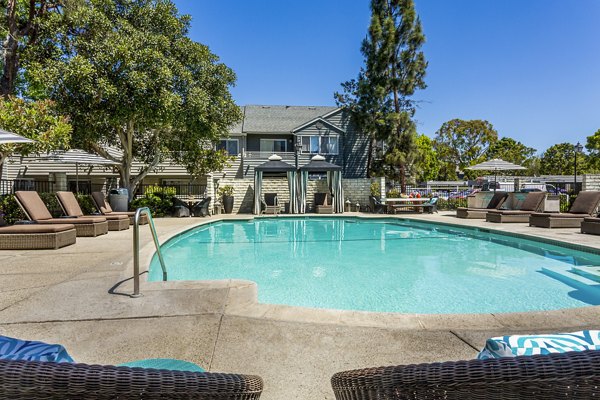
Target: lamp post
x,y
578,148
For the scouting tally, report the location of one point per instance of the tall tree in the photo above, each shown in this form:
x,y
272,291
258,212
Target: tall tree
x,y
560,160
34,120
461,143
427,166
593,146
22,21
394,69
515,152
129,77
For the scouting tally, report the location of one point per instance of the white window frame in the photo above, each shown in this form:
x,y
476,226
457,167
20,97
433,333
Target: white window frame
x,y
231,140
285,141
321,150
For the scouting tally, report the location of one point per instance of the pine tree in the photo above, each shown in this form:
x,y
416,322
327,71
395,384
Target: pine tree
x,y
380,98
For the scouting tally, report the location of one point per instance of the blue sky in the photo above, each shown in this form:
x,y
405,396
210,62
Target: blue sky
x,y
530,67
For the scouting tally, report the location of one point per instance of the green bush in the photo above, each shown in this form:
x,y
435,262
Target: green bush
x,y
451,204
10,209
160,202
224,191
375,189
393,193
166,191
87,204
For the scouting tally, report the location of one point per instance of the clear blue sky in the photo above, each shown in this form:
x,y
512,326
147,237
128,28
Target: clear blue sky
x,y
530,67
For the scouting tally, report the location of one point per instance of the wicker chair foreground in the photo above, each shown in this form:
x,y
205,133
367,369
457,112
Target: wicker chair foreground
x,y
35,380
573,375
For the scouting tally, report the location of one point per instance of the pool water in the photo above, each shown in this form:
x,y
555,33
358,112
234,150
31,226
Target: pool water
x,y
379,265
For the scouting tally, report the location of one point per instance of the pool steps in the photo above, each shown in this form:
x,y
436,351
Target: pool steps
x,y
588,275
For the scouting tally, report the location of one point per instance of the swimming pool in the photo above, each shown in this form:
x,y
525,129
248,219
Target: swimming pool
x,y
383,265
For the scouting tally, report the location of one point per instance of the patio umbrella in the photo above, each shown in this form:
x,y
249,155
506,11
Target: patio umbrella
x,y
77,157
8,137
496,165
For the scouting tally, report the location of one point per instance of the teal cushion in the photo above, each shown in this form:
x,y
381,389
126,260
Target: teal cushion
x,y
164,363
527,345
29,350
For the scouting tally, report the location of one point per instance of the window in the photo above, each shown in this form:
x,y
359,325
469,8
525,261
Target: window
x,y
319,144
229,145
273,145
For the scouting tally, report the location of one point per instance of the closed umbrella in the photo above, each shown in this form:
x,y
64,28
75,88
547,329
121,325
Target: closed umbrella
x,y
77,157
9,137
496,165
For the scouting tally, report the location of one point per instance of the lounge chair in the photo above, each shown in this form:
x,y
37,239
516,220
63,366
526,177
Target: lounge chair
x,y
531,204
53,380
180,208
36,236
572,375
103,206
431,205
479,213
591,225
35,209
71,208
584,205
271,204
377,206
323,203
201,208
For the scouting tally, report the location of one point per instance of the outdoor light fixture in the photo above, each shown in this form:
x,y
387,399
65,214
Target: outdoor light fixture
x,y
578,148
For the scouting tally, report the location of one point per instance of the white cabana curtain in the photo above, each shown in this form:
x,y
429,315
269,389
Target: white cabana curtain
x,y
257,191
303,183
292,184
334,182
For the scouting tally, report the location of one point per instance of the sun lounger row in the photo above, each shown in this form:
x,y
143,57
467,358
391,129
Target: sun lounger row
x,y
46,232
579,215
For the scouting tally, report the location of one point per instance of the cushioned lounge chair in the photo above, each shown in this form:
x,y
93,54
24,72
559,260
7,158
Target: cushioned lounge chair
x,y
323,203
572,375
103,206
35,209
584,205
50,380
71,208
271,204
479,213
531,204
36,236
591,225
202,208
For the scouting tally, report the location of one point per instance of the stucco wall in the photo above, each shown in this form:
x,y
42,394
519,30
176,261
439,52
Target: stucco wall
x,y
590,182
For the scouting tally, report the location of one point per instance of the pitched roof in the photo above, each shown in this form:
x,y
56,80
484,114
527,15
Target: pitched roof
x,y
278,118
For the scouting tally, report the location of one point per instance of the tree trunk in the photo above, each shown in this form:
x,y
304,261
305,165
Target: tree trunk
x,y
10,56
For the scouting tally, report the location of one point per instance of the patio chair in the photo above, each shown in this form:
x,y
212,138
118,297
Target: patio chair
x,y
180,208
36,236
201,208
323,203
378,206
105,208
431,205
52,380
35,209
532,203
584,205
572,375
271,204
68,202
479,213
591,225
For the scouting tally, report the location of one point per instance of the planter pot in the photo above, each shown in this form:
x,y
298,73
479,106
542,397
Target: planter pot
x,y
228,204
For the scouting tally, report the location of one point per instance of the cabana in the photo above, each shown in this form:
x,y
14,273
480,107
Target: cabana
x,y
275,165
334,182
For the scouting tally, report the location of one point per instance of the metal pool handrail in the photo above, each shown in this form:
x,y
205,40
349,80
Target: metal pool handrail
x,y
136,248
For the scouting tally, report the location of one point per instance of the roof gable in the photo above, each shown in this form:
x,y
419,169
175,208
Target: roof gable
x,y
316,121
280,118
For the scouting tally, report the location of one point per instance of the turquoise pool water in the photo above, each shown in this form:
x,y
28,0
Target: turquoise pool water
x,y
379,265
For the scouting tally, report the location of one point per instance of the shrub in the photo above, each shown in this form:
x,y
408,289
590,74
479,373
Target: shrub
x,y
166,191
393,193
10,209
224,191
158,199
87,204
375,189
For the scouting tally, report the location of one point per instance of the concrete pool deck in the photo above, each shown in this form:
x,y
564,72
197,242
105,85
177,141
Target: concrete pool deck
x,y
77,296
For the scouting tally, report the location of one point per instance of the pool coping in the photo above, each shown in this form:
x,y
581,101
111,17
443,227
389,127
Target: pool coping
x,y
242,295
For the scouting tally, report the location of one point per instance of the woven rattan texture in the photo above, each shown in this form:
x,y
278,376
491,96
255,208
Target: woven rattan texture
x,y
45,380
574,375
35,241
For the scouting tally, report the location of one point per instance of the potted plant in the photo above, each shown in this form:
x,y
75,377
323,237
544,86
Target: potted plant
x,y
226,194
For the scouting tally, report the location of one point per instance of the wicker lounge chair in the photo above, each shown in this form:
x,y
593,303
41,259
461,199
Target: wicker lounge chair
x,y
35,209
36,236
202,208
479,213
271,204
49,380
584,205
376,205
572,375
180,208
103,206
591,225
71,208
531,204
323,203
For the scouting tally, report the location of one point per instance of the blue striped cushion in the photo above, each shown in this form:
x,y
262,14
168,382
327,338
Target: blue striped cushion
x,y
15,349
527,345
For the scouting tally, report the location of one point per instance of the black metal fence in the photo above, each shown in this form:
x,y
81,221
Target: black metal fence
x,y
9,186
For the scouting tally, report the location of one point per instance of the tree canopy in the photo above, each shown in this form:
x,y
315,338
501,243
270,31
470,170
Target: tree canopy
x,y
461,143
515,152
427,166
394,69
560,160
593,146
129,77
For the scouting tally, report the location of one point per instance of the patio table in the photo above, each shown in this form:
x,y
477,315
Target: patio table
x,y
395,203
